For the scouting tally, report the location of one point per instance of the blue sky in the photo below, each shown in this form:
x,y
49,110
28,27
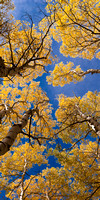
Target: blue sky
x,y
91,82
31,7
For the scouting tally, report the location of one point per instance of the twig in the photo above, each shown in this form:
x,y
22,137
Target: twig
x,y
78,141
78,122
89,197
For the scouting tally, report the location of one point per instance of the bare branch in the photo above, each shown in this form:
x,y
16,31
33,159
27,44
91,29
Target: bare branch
x,y
36,138
92,71
78,122
78,141
91,195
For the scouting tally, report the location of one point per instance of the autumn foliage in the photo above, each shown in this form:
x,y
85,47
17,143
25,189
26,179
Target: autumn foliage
x,y
29,133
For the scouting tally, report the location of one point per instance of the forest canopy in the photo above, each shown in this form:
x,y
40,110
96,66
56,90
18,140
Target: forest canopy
x,y
50,150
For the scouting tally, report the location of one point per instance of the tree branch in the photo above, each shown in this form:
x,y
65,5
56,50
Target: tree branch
x,y
89,197
92,71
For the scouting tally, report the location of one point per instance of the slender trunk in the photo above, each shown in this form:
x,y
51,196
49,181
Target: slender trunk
x,y
22,181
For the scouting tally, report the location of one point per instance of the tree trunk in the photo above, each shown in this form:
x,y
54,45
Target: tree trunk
x,y
7,142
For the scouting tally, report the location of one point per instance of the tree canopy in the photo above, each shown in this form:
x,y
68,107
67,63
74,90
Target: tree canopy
x,y
30,134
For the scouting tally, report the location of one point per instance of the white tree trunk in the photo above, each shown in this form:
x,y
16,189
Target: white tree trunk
x,y
93,123
22,181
